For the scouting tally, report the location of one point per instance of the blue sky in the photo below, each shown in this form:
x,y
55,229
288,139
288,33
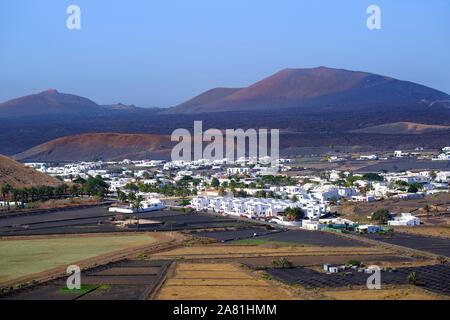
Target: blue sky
x,y
160,53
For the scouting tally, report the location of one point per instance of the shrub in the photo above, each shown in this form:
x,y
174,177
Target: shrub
x,y
413,278
354,263
282,263
381,216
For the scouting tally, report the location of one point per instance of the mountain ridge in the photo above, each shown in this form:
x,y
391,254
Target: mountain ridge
x,y
320,88
53,102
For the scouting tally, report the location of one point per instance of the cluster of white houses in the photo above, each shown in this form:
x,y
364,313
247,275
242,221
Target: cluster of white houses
x,y
257,208
272,210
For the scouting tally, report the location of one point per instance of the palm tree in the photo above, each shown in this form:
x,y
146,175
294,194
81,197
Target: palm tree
x,y
131,196
33,192
184,202
122,196
74,190
137,205
5,190
427,208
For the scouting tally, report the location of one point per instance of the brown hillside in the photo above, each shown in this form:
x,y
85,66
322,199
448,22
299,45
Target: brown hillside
x,y
104,146
20,176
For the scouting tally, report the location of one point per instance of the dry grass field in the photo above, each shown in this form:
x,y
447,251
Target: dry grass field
x,y
21,256
218,281
239,251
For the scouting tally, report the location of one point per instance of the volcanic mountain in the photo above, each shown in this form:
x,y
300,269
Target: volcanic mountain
x,y
19,176
316,89
100,146
53,102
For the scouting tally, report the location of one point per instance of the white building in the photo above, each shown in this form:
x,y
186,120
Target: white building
x,y
312,225
261,208
148,205
362,198
368,228
405,219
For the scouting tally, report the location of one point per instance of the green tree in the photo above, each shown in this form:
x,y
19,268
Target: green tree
x,y
5,190
294,214
381,215
131,196
132,187
95,186
372,177
414,187
74,189
184,202
122,196
215,182
146,175
137,203
433,174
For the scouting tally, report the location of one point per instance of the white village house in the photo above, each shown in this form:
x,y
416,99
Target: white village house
x,y
404,219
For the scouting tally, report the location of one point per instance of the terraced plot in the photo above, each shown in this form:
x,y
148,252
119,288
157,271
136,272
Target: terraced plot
x,y
386,260
98,219
230,235
436,245
313,238
127,279
435,278
217,281
220,251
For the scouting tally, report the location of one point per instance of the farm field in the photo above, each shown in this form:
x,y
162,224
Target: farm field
x,y
229,235
123,280
313,238
435,245
98,219
24,256
239,251
434,231
403,293
217,281
294,237
386,260
434,278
